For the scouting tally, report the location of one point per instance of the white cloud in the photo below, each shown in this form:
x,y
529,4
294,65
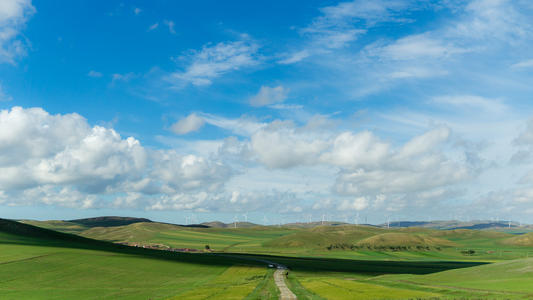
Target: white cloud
x,y
214,61
295,57
342,24
137,11
472,102
523,64
153,26
416,72
62,160
190,172
358,204
93,73
493,20
356,150
188,124
13,16
367,166
369,11
170,24
59,150
419,46
123,77
280,145
269,95
244,126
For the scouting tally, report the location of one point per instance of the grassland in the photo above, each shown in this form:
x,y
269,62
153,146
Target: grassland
x,y
40,264
366,263
346,241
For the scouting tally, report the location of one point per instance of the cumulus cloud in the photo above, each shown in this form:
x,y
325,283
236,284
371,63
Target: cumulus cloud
x,y
63,150
189,172
367,165
358,204
213,61
280,145
45,158
269,95
13,16
62,160
188,124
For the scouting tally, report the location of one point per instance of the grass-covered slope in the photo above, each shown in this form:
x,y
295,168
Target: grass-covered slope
x,y
525,240
37,263
137,232
401,240
108,221
503,280
321,237
62,226
219,239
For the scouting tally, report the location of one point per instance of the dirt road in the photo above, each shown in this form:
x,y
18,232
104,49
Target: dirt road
x,y
285,292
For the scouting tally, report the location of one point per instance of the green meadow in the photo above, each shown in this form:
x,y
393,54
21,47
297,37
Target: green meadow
x,y
64,260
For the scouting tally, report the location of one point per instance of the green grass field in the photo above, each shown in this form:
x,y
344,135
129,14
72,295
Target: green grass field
x,y
347,241
412,263
39,264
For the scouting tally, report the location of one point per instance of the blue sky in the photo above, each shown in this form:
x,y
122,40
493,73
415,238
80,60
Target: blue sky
x,y
282,111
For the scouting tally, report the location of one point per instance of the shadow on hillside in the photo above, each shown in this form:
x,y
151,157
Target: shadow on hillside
x,y
12,232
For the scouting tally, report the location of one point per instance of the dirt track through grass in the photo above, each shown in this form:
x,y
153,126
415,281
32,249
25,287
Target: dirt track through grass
x,y
285,292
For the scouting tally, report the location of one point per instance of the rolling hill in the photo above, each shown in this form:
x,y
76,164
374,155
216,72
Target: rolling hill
x,y
525,240
108,221
38,263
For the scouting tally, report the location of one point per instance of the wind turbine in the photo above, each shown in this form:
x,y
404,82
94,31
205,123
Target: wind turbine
x,y
245,215
235,220
323,218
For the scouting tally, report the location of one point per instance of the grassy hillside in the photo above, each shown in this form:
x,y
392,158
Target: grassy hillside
x,y
108,221
42,264
339,241
63,226
219,239
401,240
321,237
218,224
503,280
525,240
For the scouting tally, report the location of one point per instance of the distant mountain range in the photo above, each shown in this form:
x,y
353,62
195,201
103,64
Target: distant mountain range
x,y
451,225
112,221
